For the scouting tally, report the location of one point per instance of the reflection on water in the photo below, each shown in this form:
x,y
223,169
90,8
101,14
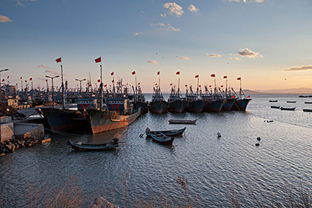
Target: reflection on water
x,y
141,170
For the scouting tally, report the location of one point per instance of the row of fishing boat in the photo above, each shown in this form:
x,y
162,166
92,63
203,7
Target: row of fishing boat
x,y
213,100
105,111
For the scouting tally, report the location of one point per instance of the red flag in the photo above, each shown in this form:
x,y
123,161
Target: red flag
x,y
105,85
97,60
112,73
196,76
170,84
213,75
99,80
158,73
2,80
185,85
178,73
58,60
199,85
225,77
221,86
133,73
30,79
209,85
239,78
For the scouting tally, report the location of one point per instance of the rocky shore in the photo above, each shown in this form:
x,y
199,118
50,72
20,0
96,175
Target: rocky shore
x,y
17,143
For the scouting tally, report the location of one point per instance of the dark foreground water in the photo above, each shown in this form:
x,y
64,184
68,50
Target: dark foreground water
x,y
216,170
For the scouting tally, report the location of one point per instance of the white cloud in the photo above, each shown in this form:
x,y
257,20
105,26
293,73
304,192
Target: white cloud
x,y
193,8
248,53
22,2
43,66
163,15
152,62
214,55
185,58
137,33
174,8
166,27
5,19
247,1
300,68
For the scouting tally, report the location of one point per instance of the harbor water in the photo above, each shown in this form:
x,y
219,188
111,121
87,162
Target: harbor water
x,y
215,170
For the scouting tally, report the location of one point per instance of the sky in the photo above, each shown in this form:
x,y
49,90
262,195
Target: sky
x,y
265,42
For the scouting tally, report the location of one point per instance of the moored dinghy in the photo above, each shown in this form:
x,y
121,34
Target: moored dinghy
x,y
94,147
161,138
180,121
170,133
288,108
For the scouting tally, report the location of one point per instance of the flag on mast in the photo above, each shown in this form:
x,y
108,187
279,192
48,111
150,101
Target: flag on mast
x,y
98,60
58,60
225,77
133,73
112,73
178,73
158,73
213,75
239,78
196,76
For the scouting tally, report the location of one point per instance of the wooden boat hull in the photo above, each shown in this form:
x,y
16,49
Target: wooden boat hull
x,y
165,140
91,147
169,133
288,109
172,121
158,107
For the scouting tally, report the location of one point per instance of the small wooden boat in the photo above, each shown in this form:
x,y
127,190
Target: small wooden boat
x,y
291,101
274,106
170,133
94,147
172,121
287,108
307,110
273,101
161,138
308,102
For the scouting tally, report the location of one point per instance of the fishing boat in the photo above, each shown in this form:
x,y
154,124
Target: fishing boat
x,y
288,108
182,121
274,106
170,133
307,110
291,101
161,138
64,120
213,102
194,104
94,147
240,104
158,105
228,104
273,101
176,104
308,102
119,113
139,100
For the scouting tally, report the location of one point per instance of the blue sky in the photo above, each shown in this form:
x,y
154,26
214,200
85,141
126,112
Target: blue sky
x,y
255,39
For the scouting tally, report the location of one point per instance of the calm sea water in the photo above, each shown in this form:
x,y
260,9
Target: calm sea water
x,y
142,171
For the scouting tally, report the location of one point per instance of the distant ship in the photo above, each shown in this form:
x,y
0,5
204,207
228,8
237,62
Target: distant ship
x,y
194,103
158,105
176,104
213,101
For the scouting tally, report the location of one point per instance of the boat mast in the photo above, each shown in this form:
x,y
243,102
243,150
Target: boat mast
x,y
63,97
